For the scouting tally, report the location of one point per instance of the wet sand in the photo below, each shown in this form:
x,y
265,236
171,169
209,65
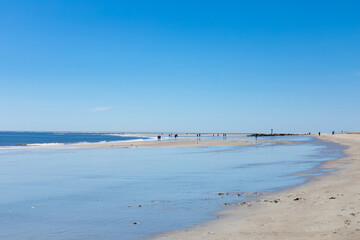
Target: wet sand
x,y
146,144
326,207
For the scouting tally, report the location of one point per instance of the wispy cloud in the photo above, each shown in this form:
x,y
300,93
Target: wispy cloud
x,y
99,109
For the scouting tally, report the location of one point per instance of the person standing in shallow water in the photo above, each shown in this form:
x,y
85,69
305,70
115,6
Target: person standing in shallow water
x,y
319,133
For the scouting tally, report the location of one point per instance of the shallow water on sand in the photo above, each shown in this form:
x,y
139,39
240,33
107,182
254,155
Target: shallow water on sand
x,y
100,193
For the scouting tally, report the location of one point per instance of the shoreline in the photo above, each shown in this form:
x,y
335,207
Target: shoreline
x,y
326,207
183,141
145,144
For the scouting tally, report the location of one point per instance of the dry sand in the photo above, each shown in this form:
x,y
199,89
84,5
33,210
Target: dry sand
x,y
327,207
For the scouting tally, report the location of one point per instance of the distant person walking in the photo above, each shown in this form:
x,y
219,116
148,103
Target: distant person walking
x,y
333,132
319,133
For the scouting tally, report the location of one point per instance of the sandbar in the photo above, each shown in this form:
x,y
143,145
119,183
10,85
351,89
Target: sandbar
x,y
142,144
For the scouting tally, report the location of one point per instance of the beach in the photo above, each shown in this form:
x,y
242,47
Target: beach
x,y
143,144
135,192
146,140
186,120
326,207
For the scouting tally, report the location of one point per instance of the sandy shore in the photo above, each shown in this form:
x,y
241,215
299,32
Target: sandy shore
x,y
146,144
183,141
327,207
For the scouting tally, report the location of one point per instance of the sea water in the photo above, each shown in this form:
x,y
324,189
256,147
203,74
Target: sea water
x,y
102,193
9,138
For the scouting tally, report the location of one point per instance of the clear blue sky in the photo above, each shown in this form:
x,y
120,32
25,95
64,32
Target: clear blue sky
x,y
234,66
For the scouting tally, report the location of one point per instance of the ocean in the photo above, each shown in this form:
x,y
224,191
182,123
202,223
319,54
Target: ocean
x,y
133,193
8,138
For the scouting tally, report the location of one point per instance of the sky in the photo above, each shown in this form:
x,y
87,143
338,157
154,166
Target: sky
x,y
179,66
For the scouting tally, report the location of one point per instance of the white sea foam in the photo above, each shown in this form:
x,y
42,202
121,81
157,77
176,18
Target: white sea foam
x,y
31,145
87,142
43,144
139,137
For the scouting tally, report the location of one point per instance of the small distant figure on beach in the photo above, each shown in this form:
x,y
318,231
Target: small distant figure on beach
x,y
319,133
256,135
159,137
333,132
175,135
